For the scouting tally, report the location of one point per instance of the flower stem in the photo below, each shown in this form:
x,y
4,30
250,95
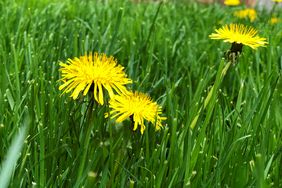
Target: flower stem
x,y
89,123
211,95
273,10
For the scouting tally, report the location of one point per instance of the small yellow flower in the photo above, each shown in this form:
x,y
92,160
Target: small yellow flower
x,y
240,34
138,107
277,1
247,13
274,20
232,2
97,72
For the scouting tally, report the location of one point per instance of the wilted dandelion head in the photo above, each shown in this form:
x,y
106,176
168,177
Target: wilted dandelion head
x,y
246,13
138,107
232,2
96,72
239,34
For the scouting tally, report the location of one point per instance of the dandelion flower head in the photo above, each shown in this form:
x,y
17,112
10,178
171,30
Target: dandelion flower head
x,y
97,72
232,2
274,20
138,107
246,13
277,1
240,34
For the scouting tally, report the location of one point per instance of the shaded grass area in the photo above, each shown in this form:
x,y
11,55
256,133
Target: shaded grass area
x,y
236,141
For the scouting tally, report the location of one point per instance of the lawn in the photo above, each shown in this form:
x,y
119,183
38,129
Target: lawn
x,y
224,119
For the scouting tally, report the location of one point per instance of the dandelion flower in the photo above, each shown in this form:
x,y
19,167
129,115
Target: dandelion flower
x,y
232,2
247,13
138,107
274,20
239,35
97,72
277,1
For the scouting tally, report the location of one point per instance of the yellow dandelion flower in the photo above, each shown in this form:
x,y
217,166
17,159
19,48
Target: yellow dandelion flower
x,y
95,72
277,1
247,13
239,34
138,107
232,2
274,20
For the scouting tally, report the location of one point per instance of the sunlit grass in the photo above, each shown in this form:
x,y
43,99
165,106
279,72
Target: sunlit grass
x,y
165,49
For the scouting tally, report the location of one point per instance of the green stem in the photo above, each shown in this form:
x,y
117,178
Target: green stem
x,y
211,93
273,9
89,123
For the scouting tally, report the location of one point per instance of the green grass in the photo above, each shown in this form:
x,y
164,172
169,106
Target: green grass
x,y
237,138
